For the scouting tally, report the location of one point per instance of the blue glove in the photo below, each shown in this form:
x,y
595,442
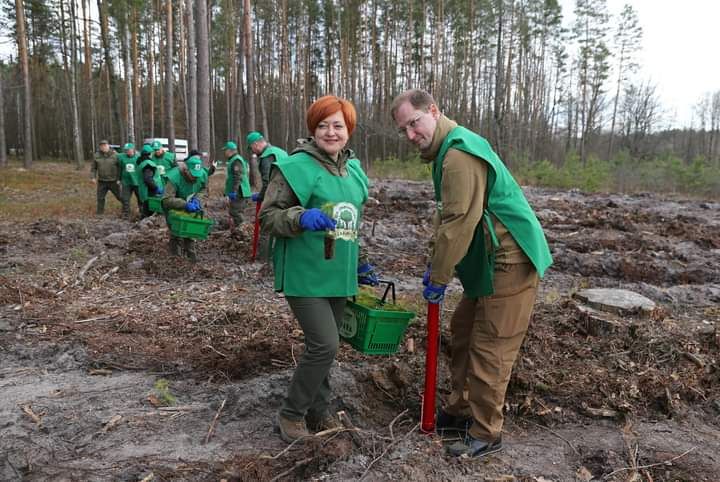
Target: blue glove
x,y
233,196
255,196
426,276
192,206
434,293
316,220
159,190
366,275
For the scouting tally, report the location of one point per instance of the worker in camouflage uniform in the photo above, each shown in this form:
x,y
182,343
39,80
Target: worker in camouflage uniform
x,y
163,159
487,234
151,182
237,183
105,173
130,177
320,171
184,189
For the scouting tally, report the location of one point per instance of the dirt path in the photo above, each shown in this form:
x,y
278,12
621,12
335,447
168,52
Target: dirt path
x,y
84,360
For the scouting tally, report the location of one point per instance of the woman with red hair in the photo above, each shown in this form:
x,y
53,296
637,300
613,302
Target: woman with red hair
x,y
318,192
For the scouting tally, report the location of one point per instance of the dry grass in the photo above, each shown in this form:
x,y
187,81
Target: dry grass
x,y
58,190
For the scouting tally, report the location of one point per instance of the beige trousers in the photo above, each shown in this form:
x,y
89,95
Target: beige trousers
x,y
486,336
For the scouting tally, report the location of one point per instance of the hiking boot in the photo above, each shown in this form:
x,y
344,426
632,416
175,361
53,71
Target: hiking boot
x,y
189,248
291,430
321,423
474,447
444,422
174,246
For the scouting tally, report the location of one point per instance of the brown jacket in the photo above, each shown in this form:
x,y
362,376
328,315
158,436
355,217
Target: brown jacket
x,y
463,187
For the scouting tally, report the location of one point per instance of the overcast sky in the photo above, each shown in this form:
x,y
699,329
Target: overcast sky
x,y
681,40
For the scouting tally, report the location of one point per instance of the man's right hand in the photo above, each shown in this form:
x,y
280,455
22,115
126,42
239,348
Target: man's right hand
x,y
316,220
232,196
94,181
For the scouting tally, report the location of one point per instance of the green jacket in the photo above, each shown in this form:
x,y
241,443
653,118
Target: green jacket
x,y
238,176
165,162
506,202
180,185
268,156
130,170
105,166
302,266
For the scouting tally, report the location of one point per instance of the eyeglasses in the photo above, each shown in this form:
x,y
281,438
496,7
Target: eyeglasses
x,y
402,131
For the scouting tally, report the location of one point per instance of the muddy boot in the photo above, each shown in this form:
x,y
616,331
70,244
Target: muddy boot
x,y
174,246
189,248
319,423
291,430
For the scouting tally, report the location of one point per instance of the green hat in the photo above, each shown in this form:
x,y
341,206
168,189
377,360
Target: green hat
x,y
128,146
147,149
104,141
253,137
230,145
156,145
194,165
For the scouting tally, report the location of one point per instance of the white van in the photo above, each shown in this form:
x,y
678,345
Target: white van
x,y
181,146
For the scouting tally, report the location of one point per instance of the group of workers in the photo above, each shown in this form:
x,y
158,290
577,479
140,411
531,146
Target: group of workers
x,y
485,233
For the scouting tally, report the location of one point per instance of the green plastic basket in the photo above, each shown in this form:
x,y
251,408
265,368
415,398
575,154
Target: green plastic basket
x,y
374,331
155,204
184,226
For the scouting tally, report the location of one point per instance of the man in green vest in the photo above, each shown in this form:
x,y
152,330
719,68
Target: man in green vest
x,y
267,154
237,183
163,159
183,187
488,235
130,177
105,172
151,182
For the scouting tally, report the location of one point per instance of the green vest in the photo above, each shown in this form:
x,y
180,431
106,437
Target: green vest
x,y
506,202
300,265
164,163
183,188
142,187
130,174
279,154
245,190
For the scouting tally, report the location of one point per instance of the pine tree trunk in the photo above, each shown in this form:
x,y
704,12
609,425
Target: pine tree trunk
x,y
27,105
77,131
203,76
130,111
108,63
169,98
89,73
249,66
3,144
192,77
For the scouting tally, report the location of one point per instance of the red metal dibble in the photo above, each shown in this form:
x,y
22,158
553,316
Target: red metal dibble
x,y
427,424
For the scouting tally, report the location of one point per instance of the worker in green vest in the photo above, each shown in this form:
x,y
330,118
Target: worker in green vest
x,y
487,234
163,159
237,183
151,182
130,177
184,188
267,154
105,173
321,173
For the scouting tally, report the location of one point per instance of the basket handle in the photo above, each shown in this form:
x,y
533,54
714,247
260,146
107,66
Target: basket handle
x,y
390,286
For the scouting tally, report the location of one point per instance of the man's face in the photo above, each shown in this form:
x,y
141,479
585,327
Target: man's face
x,y
104,147
229,153
417,126
130,152
258,146
160,152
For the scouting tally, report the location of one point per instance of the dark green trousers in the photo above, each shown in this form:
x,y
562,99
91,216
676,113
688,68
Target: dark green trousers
x,y
236,209
127,192
102,189
309,391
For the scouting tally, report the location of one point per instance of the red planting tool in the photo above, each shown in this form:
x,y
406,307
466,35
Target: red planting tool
x,y
256,232
427,424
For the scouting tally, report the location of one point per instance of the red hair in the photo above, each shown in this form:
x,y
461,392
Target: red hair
x,y
328,105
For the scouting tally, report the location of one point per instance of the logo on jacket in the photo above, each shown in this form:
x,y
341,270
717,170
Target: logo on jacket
x,y
346,216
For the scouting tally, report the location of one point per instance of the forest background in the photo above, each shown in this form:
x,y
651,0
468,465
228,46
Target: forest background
x,y
564,105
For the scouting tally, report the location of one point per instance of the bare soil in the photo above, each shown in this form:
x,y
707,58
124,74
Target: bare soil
x,y
83,346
